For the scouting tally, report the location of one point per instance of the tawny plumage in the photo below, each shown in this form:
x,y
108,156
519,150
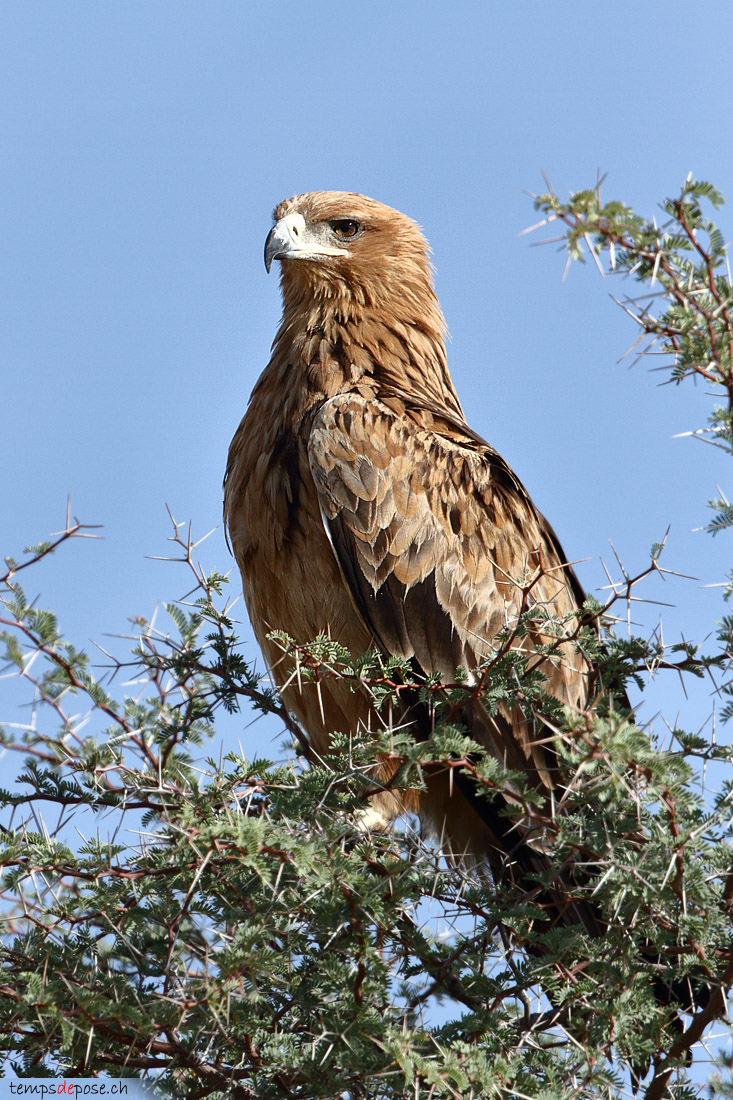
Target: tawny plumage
x,y
360,504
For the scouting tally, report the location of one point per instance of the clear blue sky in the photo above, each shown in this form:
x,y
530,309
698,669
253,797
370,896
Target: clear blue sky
x,y
144,146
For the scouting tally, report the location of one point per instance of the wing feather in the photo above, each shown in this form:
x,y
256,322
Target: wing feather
x,y
433,544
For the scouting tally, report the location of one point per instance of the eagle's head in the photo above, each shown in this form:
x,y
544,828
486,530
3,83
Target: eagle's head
x,y
337,243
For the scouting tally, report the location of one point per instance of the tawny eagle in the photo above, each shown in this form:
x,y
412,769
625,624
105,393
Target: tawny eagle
x,y
360,504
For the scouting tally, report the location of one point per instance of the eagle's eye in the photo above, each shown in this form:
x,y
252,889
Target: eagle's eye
x,y
345,227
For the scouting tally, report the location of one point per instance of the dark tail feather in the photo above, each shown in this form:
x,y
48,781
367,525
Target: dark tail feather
x,y
517,862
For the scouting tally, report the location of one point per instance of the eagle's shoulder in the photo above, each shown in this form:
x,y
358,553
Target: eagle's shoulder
x,y
388,450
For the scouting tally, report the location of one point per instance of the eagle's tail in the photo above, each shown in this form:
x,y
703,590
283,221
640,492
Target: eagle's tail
x,y
493,833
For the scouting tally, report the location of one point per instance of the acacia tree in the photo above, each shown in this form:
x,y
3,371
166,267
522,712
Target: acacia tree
x,y
255,942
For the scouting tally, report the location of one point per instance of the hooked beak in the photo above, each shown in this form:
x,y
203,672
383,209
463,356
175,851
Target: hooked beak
x,y
292,239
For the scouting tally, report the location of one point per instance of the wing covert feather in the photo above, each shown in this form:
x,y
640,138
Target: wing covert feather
x,y
431,530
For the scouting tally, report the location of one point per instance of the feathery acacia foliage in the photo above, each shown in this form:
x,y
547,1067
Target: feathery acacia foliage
x,y
254,941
